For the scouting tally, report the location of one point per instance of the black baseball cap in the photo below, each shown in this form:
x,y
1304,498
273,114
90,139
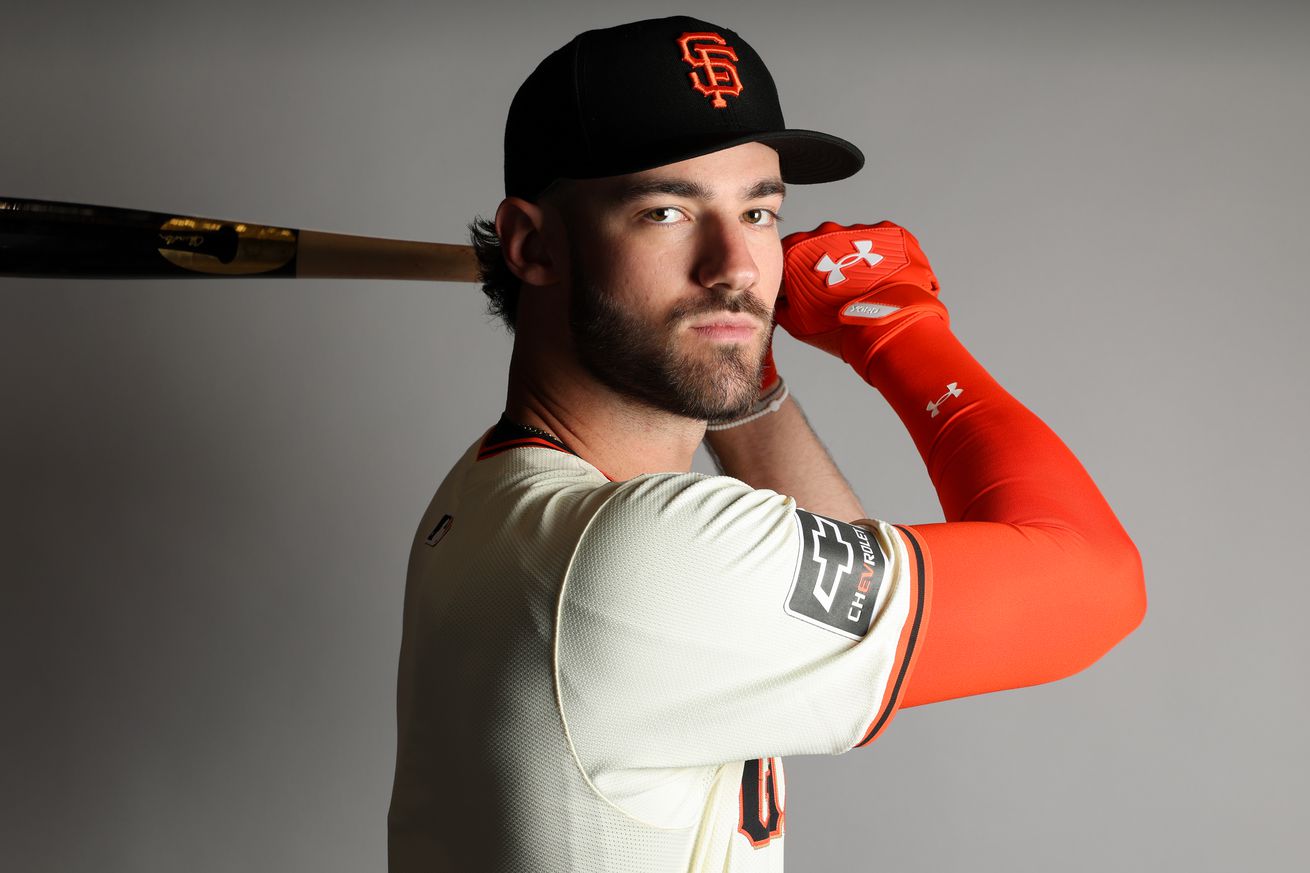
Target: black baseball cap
x,y
640,95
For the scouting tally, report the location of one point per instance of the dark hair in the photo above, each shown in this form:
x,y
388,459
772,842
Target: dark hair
x,y
499,283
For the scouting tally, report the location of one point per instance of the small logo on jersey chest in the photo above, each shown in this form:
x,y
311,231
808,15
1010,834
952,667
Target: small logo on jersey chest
x,y
440,531
838,575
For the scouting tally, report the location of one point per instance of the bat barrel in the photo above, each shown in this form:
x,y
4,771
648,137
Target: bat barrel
x,y
40,238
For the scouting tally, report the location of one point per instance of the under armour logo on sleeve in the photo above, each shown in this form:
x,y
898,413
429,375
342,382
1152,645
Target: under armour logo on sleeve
x,y
953,389
863,252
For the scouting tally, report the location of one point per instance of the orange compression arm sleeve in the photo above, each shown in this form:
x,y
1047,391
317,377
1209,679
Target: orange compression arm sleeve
x,y
1032,578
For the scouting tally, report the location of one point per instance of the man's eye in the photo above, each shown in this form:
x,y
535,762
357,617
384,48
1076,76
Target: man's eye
x,y
663,215
762,217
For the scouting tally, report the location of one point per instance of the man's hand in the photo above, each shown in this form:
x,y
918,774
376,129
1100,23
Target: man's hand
x,y
848,290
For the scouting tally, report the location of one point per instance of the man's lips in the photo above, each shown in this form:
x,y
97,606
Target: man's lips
x,y
727,327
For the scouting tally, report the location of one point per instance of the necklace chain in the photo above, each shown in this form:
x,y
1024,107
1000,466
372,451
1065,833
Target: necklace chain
x,y
539,431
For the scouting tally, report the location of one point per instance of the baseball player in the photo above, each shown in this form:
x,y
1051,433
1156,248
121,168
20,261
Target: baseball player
x,y
606,657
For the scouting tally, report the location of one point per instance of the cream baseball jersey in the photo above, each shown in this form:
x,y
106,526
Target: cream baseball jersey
x,y
601,676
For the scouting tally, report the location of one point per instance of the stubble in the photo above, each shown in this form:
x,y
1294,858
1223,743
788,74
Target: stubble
x,y
649,361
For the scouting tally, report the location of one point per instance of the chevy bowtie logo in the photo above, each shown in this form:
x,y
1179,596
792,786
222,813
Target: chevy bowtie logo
x,y
829,551
863,252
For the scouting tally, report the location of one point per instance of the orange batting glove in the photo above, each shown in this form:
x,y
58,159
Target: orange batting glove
x,y
849,289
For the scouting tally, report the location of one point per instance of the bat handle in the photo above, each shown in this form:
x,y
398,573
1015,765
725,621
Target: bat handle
x,y
342,256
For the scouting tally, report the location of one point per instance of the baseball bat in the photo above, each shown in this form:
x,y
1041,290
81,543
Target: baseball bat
x,y
42,238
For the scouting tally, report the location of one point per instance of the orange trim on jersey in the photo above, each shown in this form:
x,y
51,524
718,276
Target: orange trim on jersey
x,y
907,647
490,451
507,434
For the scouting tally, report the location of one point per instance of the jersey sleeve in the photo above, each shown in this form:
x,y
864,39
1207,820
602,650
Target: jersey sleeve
x,y
704,622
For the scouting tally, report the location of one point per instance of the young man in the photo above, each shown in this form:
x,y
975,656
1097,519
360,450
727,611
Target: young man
x,y
606,656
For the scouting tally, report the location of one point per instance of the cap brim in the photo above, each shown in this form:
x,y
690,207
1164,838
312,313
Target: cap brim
x,y
807,156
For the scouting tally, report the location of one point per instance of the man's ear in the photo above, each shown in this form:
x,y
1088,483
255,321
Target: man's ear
x,y
525,244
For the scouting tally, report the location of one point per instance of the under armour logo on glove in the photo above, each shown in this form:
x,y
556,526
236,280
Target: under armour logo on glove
x,y
863,252
952,390
870,276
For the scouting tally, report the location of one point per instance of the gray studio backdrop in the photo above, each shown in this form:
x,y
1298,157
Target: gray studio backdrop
x,y
209,488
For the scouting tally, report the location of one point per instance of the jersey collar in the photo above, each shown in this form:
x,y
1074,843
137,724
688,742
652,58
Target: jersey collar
x,y
509,434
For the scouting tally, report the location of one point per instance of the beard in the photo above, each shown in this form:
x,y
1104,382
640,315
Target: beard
x,y
640,359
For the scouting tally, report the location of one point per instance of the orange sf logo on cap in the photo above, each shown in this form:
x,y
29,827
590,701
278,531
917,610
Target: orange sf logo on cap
x,y
712,54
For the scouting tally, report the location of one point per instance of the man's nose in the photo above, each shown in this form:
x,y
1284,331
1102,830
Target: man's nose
x,y
725,257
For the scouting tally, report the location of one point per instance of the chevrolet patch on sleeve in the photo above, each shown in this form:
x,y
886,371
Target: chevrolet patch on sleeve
x,y
839,571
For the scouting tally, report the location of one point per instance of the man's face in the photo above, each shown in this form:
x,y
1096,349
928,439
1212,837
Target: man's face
x,y
675,272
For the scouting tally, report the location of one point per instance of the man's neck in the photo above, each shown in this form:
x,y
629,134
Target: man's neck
x,y
612,432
